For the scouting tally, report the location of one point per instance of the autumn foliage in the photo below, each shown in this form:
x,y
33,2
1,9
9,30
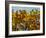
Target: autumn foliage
x,y
22,21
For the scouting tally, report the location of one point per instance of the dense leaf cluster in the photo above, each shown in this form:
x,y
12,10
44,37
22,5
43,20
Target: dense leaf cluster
x,y
21,20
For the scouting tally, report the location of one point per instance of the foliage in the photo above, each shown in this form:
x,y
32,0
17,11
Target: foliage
x,y
21,20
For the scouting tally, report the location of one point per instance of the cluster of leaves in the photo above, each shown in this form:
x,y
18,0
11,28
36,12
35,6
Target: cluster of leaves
x,y
21,20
